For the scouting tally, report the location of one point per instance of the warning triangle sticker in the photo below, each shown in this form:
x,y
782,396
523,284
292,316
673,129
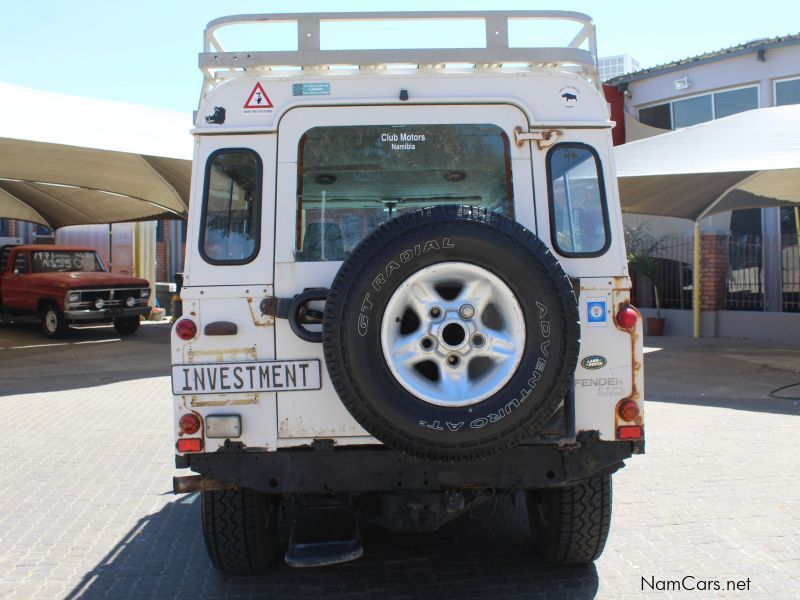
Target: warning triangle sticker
x,y
258,98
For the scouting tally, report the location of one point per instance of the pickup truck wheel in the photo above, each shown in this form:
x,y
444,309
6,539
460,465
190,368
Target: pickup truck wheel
x,y
126,325
240,528
570,524
451,333
54,324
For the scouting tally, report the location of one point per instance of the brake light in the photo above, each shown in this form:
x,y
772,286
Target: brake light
x,y
627,317
190,445
630,432
628,410
185,329
189,424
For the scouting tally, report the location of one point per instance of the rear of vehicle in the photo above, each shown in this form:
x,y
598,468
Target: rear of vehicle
x,y
405,291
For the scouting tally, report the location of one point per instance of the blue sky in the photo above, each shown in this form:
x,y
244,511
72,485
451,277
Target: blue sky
x,y
146,51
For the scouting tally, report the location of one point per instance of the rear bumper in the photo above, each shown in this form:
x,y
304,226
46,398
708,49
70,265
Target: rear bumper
x,y
354,469
106,314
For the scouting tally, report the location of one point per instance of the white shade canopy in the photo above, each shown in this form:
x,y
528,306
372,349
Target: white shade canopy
x,y
73,161
747,160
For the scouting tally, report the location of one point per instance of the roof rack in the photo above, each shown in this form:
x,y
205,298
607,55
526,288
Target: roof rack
x,y
218,65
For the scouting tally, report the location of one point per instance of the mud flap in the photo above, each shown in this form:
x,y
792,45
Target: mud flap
x,y
323,535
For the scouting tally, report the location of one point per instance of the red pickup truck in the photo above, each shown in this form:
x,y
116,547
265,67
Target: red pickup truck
x,y
66,285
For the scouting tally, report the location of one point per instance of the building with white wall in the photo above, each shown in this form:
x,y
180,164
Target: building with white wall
x,y
612,66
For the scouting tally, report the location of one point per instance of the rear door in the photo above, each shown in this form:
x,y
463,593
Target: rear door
x,y
342,171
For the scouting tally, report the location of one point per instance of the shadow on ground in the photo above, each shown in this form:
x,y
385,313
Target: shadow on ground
x,y
164,556
86,357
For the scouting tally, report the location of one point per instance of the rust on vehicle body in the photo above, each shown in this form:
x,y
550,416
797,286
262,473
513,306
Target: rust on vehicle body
x,y
260,319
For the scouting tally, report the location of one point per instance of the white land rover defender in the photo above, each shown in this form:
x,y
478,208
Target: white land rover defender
x,y
405,292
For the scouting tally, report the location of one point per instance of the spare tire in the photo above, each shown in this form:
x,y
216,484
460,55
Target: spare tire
x,y
451,333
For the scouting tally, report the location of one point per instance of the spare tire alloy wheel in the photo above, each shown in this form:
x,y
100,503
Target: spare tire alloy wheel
x,y
451,333
465,348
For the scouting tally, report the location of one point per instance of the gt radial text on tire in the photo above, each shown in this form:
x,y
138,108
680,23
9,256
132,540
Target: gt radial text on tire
x,y
240,528
570,525
451,333
54,324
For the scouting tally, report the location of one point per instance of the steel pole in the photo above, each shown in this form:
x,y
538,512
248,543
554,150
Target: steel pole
x,y
696,282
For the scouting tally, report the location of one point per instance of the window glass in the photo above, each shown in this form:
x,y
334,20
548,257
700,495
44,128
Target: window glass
x,y
231,210
656,116
21,263
787,92
65,261
353,178
735,101
692,111
578,214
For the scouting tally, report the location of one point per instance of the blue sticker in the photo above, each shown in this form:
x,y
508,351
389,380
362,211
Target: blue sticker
x,y
596,312
311,89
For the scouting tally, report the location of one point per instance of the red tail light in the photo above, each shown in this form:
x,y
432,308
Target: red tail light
x,y
627,317
628,410
190,424
630,432
190,445
185,329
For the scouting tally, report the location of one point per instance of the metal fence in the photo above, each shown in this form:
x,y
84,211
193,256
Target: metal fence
x,y
790,274
745,279
744,284
671,276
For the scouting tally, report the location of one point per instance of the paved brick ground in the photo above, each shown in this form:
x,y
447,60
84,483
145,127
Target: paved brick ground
x,y
86,508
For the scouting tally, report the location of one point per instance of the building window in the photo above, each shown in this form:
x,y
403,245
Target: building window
x,y
735,101
656,116
353,178
692,111
578,213
787,92
699,109
3,227
231,207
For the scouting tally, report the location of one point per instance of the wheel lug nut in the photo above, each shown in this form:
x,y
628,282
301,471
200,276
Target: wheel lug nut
x,y
435,312
453,360
426,343
467,311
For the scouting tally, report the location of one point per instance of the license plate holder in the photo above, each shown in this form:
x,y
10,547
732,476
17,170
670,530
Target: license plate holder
x,y
246,377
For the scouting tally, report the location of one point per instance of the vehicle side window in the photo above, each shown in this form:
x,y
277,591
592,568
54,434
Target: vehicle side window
x,y
353,178
21,264
578,211
230,231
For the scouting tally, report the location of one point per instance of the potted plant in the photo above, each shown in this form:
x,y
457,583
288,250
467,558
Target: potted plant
x,y
642,247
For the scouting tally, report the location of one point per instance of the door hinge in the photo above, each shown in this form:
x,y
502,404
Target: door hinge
x,y
544,138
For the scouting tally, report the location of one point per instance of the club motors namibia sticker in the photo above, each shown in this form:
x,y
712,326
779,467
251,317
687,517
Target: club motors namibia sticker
x,y
594,362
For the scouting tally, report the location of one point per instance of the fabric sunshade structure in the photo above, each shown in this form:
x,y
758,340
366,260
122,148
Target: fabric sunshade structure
x,y
74,161
747,160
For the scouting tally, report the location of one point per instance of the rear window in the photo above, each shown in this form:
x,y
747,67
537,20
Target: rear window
x,y
230,232
578,212
353,178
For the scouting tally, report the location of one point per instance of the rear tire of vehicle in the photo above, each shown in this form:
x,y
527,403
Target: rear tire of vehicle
x,y
126,325
570,524
240,528
54,324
